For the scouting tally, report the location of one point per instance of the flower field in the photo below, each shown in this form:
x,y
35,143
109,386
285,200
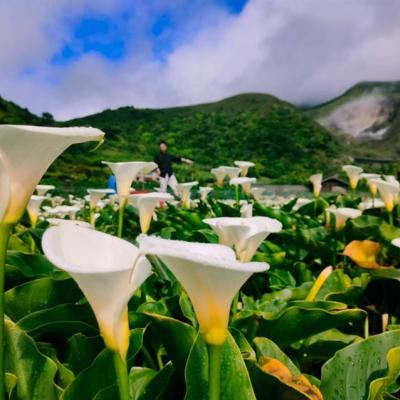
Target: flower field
x,y
142,295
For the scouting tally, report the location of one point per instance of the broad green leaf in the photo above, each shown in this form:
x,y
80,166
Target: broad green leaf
x,y
39,294
34,371
298,322
148,384
380,387
63,320
100,375
235,381
10,382
348,374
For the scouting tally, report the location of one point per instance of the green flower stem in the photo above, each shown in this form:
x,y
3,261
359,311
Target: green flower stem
x,y
121,216
91,216
214,369
237,193
334,245
235,304
390,217
5,230
121,371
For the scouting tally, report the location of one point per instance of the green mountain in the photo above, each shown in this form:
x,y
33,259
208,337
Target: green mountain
x,y
286,145
367,115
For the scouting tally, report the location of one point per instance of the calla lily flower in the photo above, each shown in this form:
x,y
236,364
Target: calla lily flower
x,y
371,203
246,210
300,202
244,235
41,190
342,214
244,166
210,275
33,208
353,173
4,192
370,181
146,203
392,179
26,152
184,190
107,269
219,174
363,253
74,222
389,193
126,172
257,193
96,195
204,192
316,181
232,172
244,182
396,242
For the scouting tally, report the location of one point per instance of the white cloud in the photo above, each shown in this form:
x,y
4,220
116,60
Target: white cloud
x,y
302,51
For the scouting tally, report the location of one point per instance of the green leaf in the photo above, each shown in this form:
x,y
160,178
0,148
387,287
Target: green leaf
x,y
100,375
39,294
35,372
148,384
63,320
235,380
380,387
349,373
10,382
299,322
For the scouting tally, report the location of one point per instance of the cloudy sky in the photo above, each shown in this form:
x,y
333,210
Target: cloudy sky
x,y
75,57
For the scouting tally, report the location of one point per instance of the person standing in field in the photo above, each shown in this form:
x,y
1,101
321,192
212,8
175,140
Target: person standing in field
x,y
165,171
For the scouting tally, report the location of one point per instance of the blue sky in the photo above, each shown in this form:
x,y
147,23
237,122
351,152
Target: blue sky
x,y
77,57
111,35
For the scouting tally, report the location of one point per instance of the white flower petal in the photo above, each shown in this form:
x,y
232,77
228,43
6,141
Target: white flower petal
x,y
27,151
209,274
105,269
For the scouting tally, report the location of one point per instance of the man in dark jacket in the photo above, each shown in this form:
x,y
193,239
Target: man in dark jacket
x,y
165,171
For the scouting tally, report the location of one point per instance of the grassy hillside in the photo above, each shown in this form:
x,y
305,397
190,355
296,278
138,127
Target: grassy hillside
x,y
11,113
285,145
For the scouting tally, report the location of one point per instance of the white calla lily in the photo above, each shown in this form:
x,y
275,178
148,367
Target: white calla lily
x,y
371,203
244,166
27,151
204,192
41,190
210,275
370,181
184,190
389,193
246,210
219,174
107,269
353,173
4,192
96,195
316,181
146,204
33,208
244,235
342,214
300,202
232,172
396,242
126,172
75,222
392,179
257,193
244,182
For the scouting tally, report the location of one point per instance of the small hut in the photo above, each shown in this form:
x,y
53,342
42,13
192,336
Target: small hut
x,y
334,184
